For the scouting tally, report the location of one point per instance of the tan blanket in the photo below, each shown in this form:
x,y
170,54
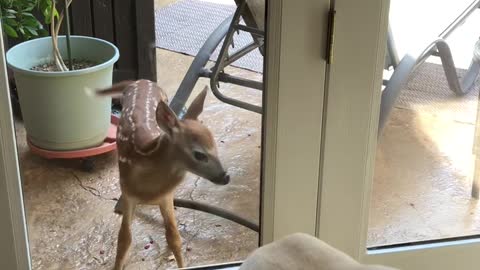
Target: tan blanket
x,y
302,252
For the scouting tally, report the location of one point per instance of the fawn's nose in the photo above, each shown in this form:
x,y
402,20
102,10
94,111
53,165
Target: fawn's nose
x,y
223,179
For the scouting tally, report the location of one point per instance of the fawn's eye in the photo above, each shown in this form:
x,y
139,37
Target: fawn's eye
x,y
200,156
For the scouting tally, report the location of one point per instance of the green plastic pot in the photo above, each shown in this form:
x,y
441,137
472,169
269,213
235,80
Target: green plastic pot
x,y
57,111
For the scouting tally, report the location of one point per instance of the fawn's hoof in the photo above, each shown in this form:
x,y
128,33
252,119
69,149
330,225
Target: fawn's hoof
x,y
118,208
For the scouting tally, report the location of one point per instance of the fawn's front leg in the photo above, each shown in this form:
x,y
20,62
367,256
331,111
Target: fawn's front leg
x,y
174,239
125,234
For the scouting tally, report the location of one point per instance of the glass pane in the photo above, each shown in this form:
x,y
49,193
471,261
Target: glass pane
x,y
70,195
427,155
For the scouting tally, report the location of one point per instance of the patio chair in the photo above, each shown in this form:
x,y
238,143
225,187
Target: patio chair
x,y
253,13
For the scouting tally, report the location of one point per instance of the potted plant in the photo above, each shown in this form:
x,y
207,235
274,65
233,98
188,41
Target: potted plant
x,y
51,75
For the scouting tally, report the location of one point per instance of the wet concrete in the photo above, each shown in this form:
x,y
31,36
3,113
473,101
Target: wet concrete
x,y
70,217
423,180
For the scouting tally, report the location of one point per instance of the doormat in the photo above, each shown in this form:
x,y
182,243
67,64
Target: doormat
x,y
184,27
427,91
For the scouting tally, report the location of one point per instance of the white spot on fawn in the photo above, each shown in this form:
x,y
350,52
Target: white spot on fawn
x,y
122,137
132,108
124,160
148,108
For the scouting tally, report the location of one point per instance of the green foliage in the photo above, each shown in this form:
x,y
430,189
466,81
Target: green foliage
x,y
18,18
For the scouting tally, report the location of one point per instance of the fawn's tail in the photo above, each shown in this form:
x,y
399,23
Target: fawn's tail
x,y
115,90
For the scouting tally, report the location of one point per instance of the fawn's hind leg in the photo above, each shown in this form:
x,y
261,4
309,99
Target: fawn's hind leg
x,y
174,239
125,234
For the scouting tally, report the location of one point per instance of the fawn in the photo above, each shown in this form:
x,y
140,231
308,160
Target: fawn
x,y
155,150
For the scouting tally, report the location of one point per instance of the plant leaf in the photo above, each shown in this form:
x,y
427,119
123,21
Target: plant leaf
x,y
10,31
11,11
56,14
46,14
32,22
27,14
32,31
11,22
43,33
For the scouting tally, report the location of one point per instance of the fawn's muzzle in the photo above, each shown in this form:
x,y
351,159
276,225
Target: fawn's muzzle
x,y
223,179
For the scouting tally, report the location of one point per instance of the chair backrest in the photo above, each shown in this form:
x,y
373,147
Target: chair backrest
x,y
257,7
415,24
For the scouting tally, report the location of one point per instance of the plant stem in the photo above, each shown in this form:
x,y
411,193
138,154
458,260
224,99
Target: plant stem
x,y
69,49
56,52
54,43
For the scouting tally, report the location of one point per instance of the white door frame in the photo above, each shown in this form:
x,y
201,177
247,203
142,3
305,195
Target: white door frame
x,y
295,83
351,115
14,252
350,144
296,69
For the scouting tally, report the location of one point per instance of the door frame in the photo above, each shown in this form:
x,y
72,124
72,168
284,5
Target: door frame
x,y
290,163
350,141
12,225
352,114
295,92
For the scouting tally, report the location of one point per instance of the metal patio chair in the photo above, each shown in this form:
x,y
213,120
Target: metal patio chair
x,y
254,24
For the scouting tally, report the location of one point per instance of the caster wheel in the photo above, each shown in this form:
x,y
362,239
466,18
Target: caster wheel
x,y
117,110
88,165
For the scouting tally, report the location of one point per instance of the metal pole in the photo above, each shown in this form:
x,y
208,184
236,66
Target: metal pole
x,y
217,212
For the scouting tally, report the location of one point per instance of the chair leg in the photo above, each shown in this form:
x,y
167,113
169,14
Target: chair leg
x,y
393,87
476,180
465,85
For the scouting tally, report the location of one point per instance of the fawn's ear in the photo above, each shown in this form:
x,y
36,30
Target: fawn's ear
x,y
166,118
196,107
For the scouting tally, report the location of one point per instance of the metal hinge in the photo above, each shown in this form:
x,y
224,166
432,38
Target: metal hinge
x,y
330,36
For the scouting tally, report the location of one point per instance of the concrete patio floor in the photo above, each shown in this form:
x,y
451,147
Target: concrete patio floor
x,y
423,180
